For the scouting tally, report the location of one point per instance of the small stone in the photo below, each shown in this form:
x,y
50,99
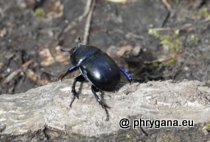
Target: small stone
x,y
136,50
2,127
205,132
153,101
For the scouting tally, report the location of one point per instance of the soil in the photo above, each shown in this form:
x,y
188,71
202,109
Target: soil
x,y
152,40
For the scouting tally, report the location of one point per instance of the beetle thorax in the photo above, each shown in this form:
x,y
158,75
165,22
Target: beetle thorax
x,y
80,53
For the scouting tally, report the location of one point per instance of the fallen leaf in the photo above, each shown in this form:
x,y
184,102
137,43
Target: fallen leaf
x,y
46,57
124,49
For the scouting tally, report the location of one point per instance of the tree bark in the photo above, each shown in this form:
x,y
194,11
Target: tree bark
x,y
49,106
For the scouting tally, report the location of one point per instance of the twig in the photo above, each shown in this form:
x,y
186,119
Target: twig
x,y
87,10
184,27
87,25
166,18
72,24
17,71
167,5
34,77
164,59
164,29
11,76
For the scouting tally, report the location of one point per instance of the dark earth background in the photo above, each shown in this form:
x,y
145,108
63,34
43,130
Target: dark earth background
x,y
151,39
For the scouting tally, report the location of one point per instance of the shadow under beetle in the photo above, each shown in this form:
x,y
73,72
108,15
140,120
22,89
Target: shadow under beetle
x,y
96,67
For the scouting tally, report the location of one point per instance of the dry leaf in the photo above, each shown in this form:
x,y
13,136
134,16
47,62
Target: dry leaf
x,y
124,49
46,57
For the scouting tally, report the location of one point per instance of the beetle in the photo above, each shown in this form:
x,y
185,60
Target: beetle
x,y
98,68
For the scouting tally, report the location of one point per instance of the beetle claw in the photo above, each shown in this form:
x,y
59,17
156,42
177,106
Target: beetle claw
x,y
72,101
75,93
105,107
60,77
77,96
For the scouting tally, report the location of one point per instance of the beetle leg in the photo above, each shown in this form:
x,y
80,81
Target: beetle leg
x,y
67,72
80,79
128,76
94,90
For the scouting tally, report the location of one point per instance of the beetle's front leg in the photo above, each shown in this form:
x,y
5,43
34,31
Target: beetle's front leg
x,y
94,90
80,79
70,70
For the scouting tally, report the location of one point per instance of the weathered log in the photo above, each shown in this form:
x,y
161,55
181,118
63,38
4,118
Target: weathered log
x,y
49,106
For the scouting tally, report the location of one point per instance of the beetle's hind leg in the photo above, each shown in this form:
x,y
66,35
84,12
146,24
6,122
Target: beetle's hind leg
x,y
128,76
94,90
80,79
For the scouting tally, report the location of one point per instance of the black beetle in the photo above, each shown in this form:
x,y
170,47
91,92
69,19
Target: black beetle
x,y
96,67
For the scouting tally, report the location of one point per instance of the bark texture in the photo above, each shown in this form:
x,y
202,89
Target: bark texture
x,y
49,106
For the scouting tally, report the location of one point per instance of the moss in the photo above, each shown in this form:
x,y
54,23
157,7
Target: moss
x,y
163,65
172,40
129,137
206,127
191,39
203,12
39,12
166,138
155,64
172,60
